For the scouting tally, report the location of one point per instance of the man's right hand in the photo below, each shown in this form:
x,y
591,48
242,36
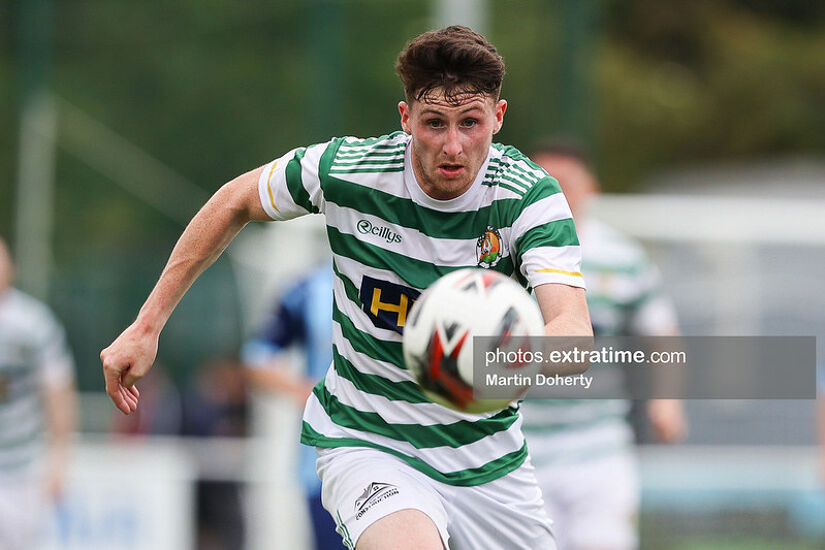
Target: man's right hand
x,y
125,362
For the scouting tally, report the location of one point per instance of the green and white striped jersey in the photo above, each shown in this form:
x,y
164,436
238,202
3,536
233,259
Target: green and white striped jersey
x,y
389,242
625,297
33,357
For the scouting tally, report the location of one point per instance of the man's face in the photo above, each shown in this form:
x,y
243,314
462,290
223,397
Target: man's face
x,y
450,141
577,183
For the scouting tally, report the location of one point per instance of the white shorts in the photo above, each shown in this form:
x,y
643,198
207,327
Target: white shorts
x,y
593,504
21,511
359,486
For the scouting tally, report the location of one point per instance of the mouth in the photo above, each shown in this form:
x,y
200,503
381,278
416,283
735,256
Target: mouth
x,y
450,170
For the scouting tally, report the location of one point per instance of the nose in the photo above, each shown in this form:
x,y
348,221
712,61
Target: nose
x,y
452,143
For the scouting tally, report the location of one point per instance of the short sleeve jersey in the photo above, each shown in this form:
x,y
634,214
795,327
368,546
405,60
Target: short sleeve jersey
x,y
625,297
389,242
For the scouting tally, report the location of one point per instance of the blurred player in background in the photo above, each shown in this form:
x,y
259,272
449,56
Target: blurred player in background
x,y
399,471
37,411
820,401
583,449
302,318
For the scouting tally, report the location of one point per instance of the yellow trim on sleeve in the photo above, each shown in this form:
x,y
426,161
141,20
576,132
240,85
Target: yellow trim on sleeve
x,y
269,187
551,270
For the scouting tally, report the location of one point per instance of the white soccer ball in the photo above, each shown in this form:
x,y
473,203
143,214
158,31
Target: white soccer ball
x,y
438,337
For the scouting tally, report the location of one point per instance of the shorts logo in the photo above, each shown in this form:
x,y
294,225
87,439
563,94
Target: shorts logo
x,y
366,227
489,247
374,493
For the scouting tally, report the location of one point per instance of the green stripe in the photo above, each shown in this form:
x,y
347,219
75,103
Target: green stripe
x,y
335,170
510,152
416,273
294,182
347,149
557,233
521,183
519,192
344,532
455,435
326,161
366,161
373,140
532,177
462,478
349,287
375,384
367,344
433,223
380,155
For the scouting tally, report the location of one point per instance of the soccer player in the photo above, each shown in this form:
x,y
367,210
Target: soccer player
x,y
820,402
37,411
583,449
302,318
402,209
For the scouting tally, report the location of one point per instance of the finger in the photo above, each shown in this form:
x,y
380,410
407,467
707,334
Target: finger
x,y
128,398
112,389
129,377
119,401
128,395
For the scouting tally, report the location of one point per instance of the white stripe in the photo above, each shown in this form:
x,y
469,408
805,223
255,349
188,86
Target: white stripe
x,y
309,173
414,243
366,364
549,209
354,143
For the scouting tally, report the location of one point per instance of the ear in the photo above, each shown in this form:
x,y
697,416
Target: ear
x,y
501,108
404,111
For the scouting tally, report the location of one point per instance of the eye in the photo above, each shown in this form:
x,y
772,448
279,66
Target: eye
x,y
469,122
434,123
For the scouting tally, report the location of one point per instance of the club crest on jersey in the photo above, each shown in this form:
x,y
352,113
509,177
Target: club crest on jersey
x,y
489,247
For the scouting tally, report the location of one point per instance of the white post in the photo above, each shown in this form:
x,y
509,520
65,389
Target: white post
x,y
470,13
34,217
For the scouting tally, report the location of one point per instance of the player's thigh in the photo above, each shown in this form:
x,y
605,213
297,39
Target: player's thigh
x,y
361,487
402,530
504,514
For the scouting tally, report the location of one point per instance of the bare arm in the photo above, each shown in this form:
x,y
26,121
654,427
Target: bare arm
x,y
277,379
132,354
565,314
61,421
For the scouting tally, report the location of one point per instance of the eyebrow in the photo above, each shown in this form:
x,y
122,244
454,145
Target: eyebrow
x,y
439,113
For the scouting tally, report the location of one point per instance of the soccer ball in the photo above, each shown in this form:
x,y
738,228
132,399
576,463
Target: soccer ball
x,y
438,336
